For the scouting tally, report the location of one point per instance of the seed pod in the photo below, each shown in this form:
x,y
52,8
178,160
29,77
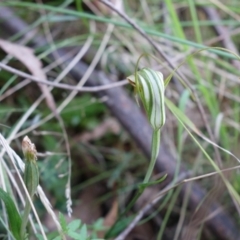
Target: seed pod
x,y
31,177
149,85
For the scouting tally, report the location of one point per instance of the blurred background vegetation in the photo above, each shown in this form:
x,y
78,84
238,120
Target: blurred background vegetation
x,y
107,161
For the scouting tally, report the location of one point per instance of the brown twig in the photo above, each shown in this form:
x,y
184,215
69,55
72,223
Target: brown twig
x,y
62,85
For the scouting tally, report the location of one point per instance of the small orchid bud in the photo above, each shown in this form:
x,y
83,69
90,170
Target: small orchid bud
x,y
29,149
31,174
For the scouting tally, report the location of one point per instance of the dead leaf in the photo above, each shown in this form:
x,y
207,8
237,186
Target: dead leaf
x,y
111,218
26,56
88,210
143,232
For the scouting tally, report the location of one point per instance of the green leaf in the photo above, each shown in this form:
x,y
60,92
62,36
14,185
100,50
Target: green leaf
x,y
142,186
118,227
63,222
83,232
57,238
54,235
74,225
39,236
14,219
51,236
98,225
74,235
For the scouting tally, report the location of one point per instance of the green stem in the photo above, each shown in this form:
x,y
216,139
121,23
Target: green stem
x,y
154,154
26,213
133,201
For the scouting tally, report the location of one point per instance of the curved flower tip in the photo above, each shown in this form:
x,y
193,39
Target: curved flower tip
x,y
149,85
29,149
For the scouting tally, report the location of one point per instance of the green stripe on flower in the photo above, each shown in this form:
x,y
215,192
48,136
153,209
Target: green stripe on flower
x,y
149,85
